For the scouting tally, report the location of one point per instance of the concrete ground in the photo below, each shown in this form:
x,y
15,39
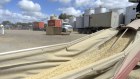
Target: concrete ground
x,y
22,39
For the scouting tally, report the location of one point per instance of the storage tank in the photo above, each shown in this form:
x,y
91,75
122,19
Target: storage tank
x,y
38,26
53,17
66,20
89,11
118,10
72,21
130,14
121,13
79,22
100,10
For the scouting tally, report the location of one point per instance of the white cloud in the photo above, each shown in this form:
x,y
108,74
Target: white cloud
x,y
2,2
30,12
18,17
70,11
15,17
12,16
116,3
105,3
63,1
84,3
35,14
98,3
28,5
29,8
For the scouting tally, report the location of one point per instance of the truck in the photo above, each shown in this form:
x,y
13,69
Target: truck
x,y
38,26
57,26
66,27
137,8
130,14
94,22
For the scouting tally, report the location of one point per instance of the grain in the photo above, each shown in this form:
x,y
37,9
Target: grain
x,y
99,54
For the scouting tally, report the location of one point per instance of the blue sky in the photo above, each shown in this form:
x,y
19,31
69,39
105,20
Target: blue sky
x,y
48,7
36,10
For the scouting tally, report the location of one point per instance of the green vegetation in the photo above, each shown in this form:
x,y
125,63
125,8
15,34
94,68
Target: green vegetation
x,y
64,16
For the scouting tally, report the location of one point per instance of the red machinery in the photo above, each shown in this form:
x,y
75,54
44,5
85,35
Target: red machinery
x,y
55,23
54,27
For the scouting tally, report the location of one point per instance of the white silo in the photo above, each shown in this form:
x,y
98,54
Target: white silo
x,y
86,16
72,21
89,11
100,10
53,17
66,20
118,10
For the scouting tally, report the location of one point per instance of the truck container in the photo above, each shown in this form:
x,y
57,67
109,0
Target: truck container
x,y
130,14
134,1
86,20
95,22
79,22
104,20
55,23
38,26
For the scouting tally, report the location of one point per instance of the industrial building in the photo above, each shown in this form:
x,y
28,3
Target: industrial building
x,y
102,18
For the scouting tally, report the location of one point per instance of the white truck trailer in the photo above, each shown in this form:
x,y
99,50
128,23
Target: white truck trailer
x,y
94,22
137,8
130,14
